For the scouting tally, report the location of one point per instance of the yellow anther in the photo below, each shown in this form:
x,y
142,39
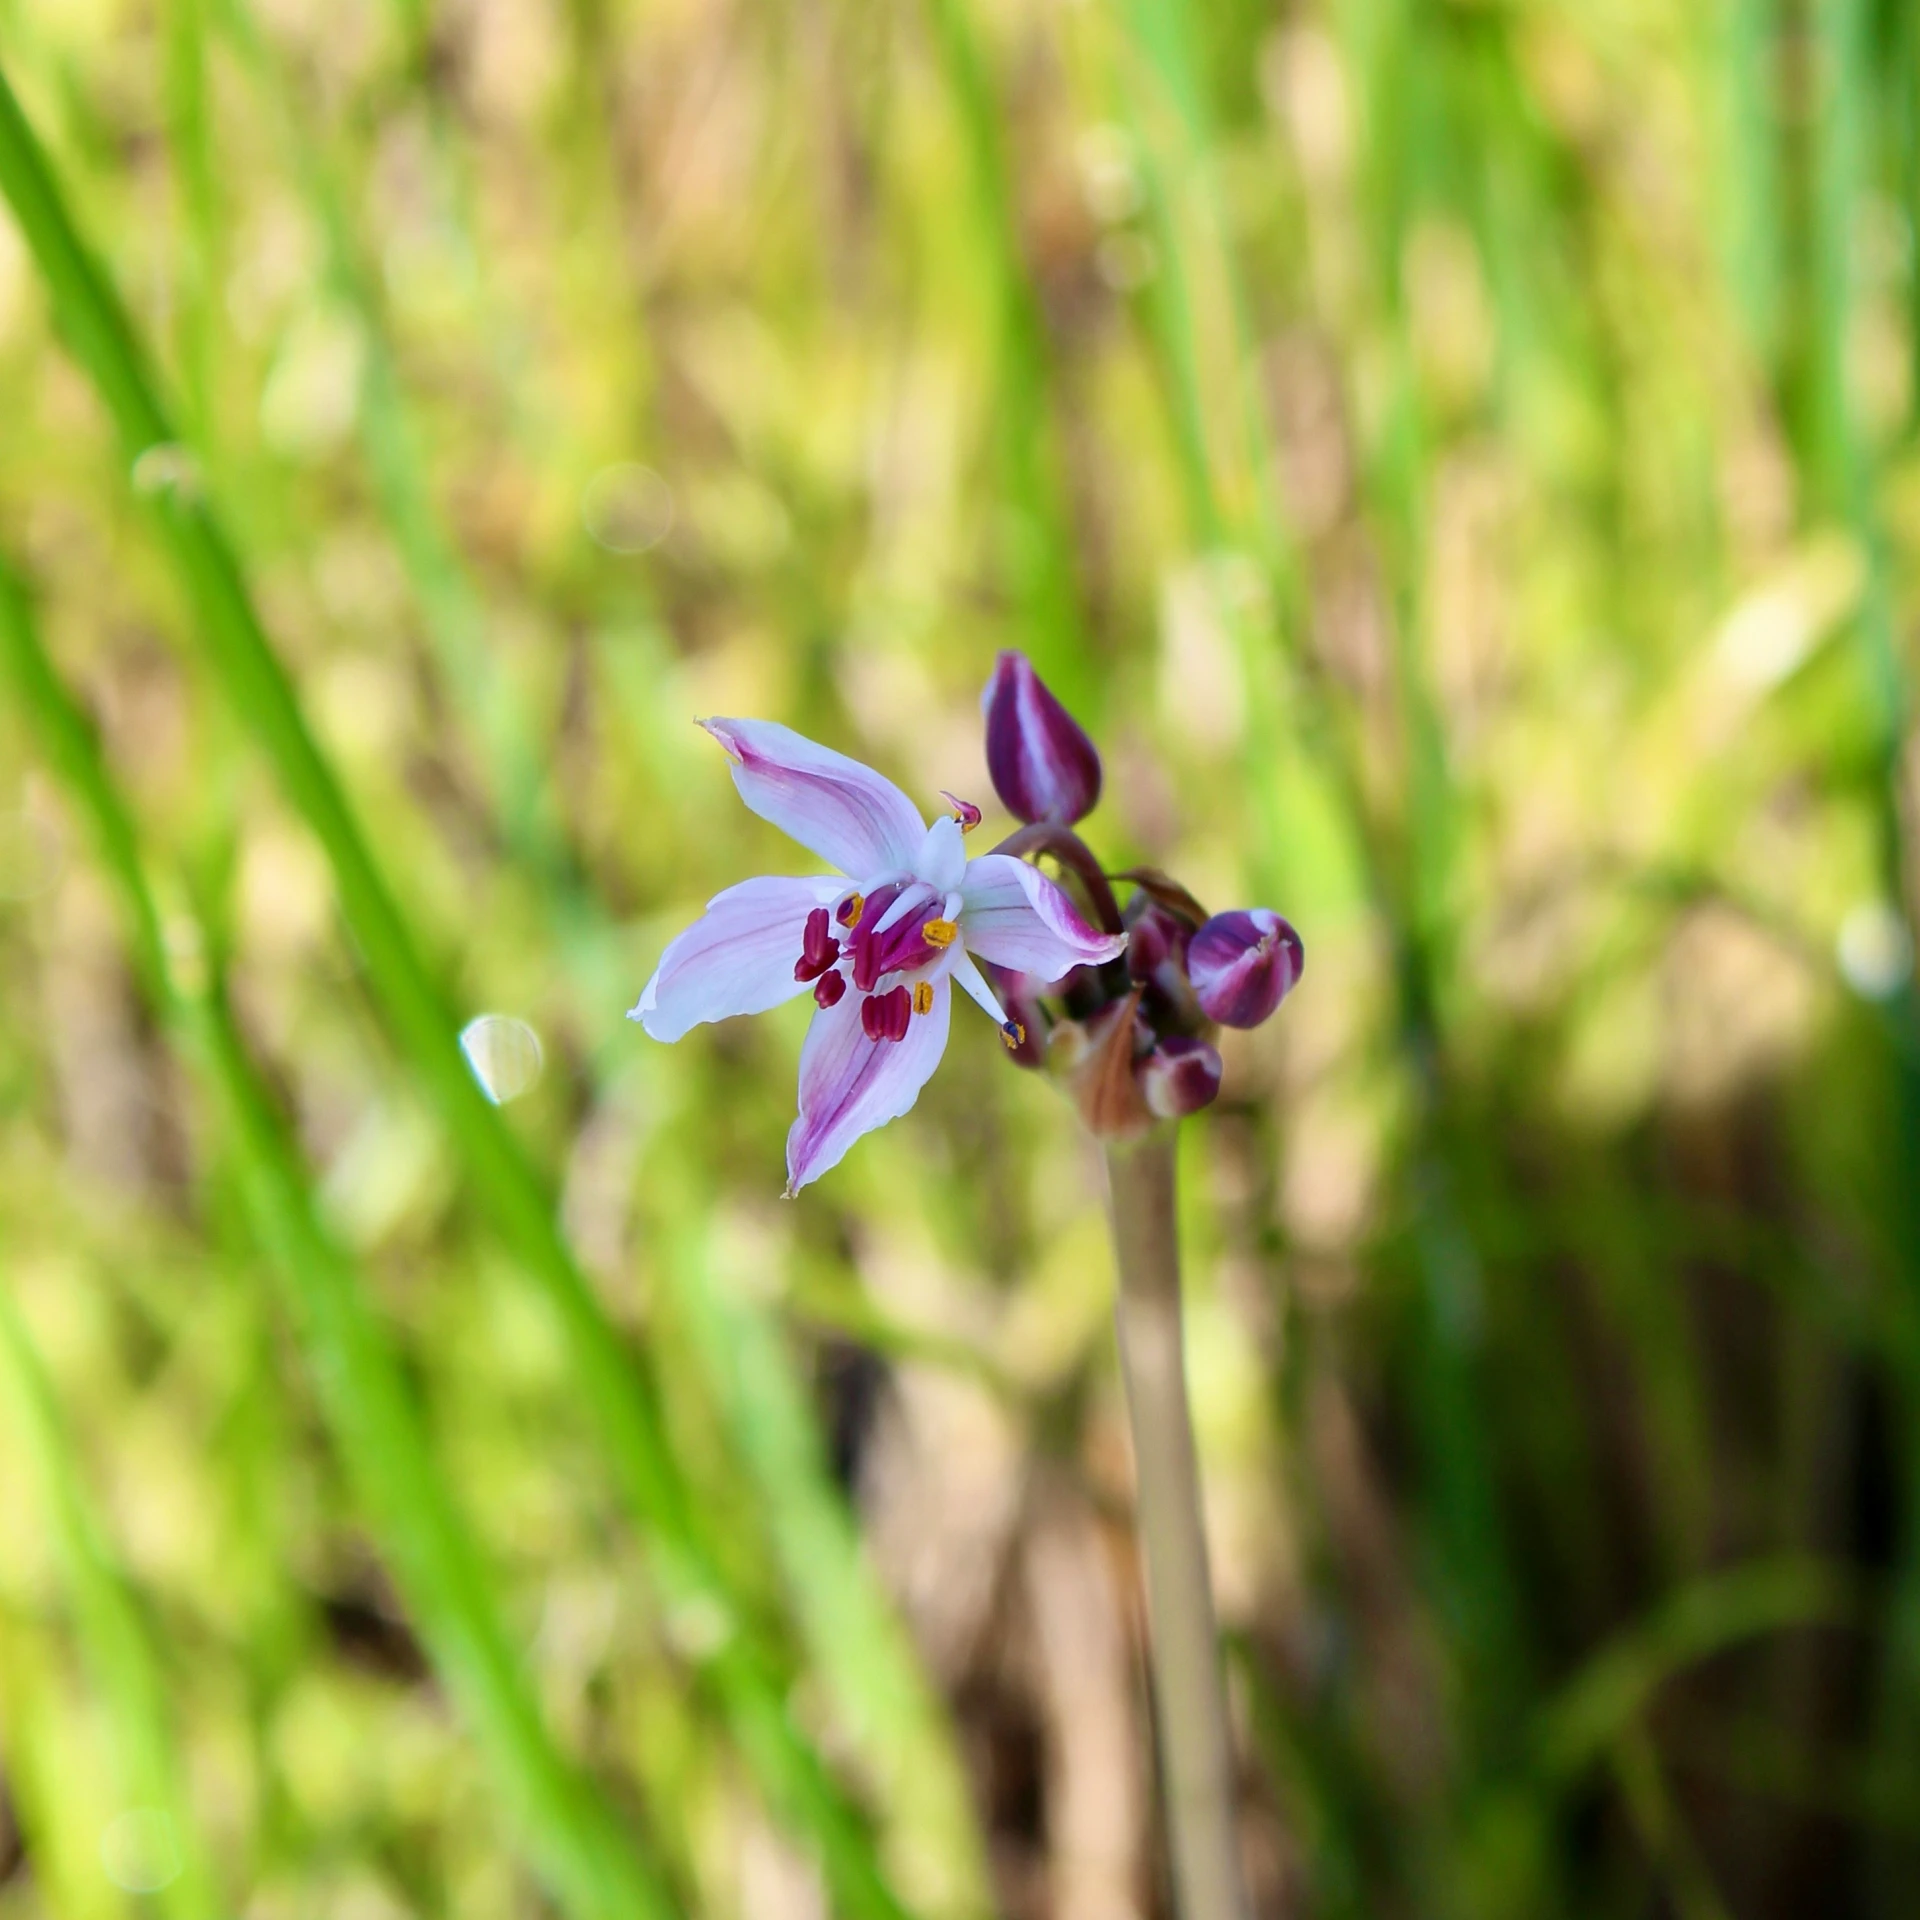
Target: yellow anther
x,y
940,933
1015,1035
923,996
851,909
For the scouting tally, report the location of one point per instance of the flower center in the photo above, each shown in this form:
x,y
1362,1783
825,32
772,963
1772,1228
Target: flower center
x,y
892,934
897,928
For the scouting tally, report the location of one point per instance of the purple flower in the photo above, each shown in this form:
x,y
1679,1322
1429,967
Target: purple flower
x,y
878,944
1043,766
1243,964
1180,1076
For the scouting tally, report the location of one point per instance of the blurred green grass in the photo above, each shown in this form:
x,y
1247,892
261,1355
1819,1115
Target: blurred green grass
x,y
1460,459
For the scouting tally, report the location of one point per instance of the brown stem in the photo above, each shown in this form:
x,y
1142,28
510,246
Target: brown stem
x,y
1189,1694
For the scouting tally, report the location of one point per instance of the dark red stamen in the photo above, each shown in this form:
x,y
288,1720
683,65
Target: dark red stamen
x,y
885,1016
829,989
819,949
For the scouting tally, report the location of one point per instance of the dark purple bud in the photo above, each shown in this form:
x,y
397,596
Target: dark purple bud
x,y
1043,766
1155,939
1180,1076
1243,964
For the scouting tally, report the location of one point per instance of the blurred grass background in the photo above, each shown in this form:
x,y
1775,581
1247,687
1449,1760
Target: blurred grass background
x,y
1458,456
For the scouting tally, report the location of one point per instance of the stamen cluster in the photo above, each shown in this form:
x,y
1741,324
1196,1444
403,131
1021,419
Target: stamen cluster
x,y
900,927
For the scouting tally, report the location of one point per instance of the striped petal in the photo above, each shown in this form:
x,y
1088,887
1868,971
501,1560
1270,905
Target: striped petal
x,y
1013,915
846,813
849,1084
736,958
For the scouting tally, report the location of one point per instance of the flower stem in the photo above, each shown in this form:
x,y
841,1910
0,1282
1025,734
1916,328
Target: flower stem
x,y
1189,1695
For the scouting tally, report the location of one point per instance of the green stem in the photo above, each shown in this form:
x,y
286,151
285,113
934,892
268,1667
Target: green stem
x,y
1189,1690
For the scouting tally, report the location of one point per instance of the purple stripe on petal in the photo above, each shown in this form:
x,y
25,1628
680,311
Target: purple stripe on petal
x,y
844,812
1243,964
849,1084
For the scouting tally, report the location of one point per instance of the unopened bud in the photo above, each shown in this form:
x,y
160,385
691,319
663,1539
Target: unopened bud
x,y
1243,964
1155,939
1180,1076
1043,765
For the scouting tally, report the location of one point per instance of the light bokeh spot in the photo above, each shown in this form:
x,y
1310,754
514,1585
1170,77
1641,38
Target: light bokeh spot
x,y
504,1054
1874,950
627,508
140,1851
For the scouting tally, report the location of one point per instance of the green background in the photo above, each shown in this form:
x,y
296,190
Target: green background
x,y
1460,459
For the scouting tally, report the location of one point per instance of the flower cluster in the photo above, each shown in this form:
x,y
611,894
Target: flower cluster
x,y
1121,1002
1131,1036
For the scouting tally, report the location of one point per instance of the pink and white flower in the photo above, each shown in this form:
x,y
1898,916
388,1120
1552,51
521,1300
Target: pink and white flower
x,y
880,943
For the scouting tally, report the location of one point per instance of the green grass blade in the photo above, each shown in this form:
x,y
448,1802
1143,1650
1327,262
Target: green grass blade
x,y
1614,1689
450,604
120,1654
437,1565
613,1388
1042,567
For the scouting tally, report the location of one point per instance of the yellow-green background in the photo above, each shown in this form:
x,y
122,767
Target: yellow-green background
x,y
1459,457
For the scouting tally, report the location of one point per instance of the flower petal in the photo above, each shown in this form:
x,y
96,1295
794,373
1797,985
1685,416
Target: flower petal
x,y
1016,917
942,859
849,1084
736,958
975,985
844,812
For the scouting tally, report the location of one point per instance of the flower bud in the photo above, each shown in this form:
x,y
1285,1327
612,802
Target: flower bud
x,y
1155,939
1180,1076
1243,964
1043,766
